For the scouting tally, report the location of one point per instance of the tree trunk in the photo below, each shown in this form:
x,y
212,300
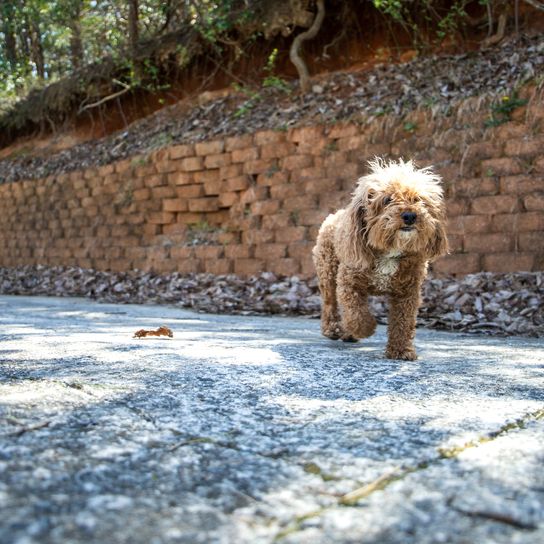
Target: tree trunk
x,y
133,13
294,54
37,48
10,45
76,45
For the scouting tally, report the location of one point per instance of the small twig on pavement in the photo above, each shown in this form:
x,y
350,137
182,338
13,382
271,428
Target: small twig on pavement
x,y
29,428
356,495
497,516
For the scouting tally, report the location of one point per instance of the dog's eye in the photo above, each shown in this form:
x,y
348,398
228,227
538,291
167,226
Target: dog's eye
x,y
387,200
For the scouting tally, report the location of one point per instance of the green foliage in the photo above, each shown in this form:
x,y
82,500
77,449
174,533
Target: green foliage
x,y
271,80
501,111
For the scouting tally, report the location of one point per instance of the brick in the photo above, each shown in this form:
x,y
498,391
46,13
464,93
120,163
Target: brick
x,y
524,147
206,175
312,217
473,187
183,252
155,180
162,192
121,167
268,137
213,187
244,155
141,170
352,143
208,204
531,242
265,207
260,166
181,151
228,238
189,266
315,148
317,186
237,251
209,148
191,164
218,266
270,251
457,206
335,158
505,166
226,200
230,171
534,202
298,203
174,229
508,262
209,252
253,194
160,218
272,178
342,130
284,267
180,178
277,150
294,162
305,174
236,184
248,267
238,142
458,265
490,243
284,192
175,205
290,234
217,161
166,166
539,165
468,224
494,204
519,222
257,236
306,134
520,184
190,191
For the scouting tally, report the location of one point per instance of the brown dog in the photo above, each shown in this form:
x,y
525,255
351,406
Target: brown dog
x,y
381,244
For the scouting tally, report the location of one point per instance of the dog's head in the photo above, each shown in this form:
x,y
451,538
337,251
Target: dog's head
x,y
397,207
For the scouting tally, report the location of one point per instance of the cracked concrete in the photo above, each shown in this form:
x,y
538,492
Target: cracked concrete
x,y
258,430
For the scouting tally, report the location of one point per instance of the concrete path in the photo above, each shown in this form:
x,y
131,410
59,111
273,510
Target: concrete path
x,y
258,430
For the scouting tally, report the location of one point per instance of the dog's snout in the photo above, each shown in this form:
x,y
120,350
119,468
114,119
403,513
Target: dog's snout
x,y
409,218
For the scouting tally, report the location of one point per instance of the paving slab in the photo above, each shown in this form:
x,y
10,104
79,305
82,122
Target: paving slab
x,y
244,429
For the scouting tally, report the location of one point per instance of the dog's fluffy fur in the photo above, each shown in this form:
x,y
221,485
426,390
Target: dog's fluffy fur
x,y
380,243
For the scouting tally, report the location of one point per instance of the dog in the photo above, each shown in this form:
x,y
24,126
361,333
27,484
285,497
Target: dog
x,y
381,244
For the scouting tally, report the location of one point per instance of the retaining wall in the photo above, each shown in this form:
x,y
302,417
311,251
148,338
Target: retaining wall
x,y
251,203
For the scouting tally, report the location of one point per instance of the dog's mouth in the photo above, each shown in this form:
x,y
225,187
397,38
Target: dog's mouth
x,y
407,229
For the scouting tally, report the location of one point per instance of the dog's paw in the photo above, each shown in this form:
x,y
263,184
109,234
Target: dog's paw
x,y
349,338
332,331
408,354
360,328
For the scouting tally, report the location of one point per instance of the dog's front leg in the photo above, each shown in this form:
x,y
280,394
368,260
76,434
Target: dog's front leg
x,y
401,328
352,290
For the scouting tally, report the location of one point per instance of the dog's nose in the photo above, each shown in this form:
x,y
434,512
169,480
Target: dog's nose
x,y
409,218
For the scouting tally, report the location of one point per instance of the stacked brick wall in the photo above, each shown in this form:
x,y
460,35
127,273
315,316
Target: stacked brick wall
x,y
251,203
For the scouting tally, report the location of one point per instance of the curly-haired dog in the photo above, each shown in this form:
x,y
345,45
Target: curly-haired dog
x,y
380,244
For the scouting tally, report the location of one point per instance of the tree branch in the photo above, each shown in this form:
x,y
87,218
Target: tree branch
x,y
536,4
294,55
125,89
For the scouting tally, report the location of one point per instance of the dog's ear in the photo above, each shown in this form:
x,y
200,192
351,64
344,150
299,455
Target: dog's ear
x,y
351,241
438,244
